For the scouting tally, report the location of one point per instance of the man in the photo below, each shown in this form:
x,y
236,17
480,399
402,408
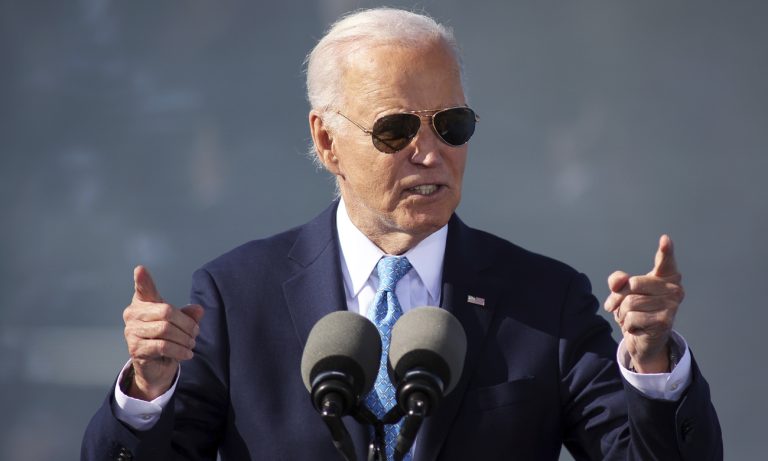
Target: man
x,y
390,121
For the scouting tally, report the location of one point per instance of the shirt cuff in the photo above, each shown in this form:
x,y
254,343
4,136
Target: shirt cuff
x,y
140,414
664,386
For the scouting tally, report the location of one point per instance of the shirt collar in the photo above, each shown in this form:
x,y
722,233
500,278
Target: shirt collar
x,y
360,255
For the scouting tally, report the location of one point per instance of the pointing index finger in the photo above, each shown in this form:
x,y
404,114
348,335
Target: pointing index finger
x,y
665,264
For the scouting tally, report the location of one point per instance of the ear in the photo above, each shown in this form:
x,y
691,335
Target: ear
x,y
323,140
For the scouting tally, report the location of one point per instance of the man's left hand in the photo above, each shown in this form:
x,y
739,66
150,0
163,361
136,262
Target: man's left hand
x,y
644,306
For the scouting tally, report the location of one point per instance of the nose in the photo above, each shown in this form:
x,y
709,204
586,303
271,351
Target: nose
x,y
428,148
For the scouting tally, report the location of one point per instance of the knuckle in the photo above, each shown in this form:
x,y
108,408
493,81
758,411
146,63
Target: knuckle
x,y
630,302
671,307
166,310
162,329
169,349
631,326
663,320
673,311
128,313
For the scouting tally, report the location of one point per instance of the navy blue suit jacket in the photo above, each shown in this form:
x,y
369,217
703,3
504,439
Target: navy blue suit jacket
x,y
540,369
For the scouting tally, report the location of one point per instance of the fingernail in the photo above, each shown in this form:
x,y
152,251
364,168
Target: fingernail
x,y
196,330
190,355
192,343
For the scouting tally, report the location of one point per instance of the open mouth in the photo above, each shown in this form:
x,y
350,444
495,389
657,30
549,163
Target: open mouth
x,y
425,189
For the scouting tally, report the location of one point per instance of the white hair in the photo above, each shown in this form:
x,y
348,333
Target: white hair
x,y
359,30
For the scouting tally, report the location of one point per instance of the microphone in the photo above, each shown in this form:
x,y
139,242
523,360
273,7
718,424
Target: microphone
x,y
427,357
339,366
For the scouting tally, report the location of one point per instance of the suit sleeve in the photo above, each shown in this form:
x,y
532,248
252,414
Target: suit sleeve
x,y
605,418
191,426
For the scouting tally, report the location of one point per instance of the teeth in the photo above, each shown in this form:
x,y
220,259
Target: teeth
x,y
427,189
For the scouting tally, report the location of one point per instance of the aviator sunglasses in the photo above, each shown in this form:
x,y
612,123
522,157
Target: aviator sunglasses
x,y
391,133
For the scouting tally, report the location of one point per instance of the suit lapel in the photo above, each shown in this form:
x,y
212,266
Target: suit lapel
x,y
317,289
464,260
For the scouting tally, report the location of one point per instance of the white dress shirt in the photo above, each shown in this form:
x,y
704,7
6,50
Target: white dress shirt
x,y
421,286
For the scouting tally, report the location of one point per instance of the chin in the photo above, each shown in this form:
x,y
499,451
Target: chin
x,y
426,223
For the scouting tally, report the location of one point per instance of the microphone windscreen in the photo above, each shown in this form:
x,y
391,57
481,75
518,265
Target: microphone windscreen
x,y
432,339
345,342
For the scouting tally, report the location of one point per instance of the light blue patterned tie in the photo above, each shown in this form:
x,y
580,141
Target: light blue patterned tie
x,y
384,313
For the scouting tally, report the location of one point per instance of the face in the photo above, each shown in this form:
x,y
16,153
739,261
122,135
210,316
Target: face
x,y
407,195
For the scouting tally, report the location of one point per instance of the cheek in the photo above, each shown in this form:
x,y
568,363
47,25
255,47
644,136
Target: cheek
x,y
457,165
380,181
347,159
367,176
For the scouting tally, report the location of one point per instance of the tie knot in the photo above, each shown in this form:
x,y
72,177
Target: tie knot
x,y
391,269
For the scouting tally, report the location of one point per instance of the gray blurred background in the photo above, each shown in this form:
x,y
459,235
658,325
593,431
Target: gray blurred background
x,y
166,132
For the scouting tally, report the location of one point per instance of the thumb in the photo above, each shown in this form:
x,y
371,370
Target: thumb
x,y
194,310
664,263
144,287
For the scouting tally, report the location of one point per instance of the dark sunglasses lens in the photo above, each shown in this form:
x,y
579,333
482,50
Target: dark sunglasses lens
x,y
456,125
392,133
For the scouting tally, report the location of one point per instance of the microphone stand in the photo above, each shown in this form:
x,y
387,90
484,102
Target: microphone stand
x,y
332,396
376,450
419,393
418,409
331,415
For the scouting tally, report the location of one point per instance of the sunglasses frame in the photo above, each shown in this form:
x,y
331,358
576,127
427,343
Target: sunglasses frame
x,y
422,114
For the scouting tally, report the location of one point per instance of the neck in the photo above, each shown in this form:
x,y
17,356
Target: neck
x,y
390,239
393,243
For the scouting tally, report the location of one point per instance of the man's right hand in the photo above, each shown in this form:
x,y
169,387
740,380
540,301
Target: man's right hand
x,y
158,335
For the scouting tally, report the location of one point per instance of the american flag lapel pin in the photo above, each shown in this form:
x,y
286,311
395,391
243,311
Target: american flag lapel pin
x,y
476,300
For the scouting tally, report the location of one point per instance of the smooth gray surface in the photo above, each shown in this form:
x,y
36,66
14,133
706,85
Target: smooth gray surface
x,y
165,132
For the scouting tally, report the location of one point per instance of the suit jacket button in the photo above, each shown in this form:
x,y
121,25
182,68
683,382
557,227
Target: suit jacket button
x,y
686,430
124,455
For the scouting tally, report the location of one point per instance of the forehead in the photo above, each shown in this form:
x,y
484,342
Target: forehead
x,y
395,76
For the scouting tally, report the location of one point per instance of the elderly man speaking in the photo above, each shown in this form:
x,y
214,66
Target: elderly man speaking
x,y
390,121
